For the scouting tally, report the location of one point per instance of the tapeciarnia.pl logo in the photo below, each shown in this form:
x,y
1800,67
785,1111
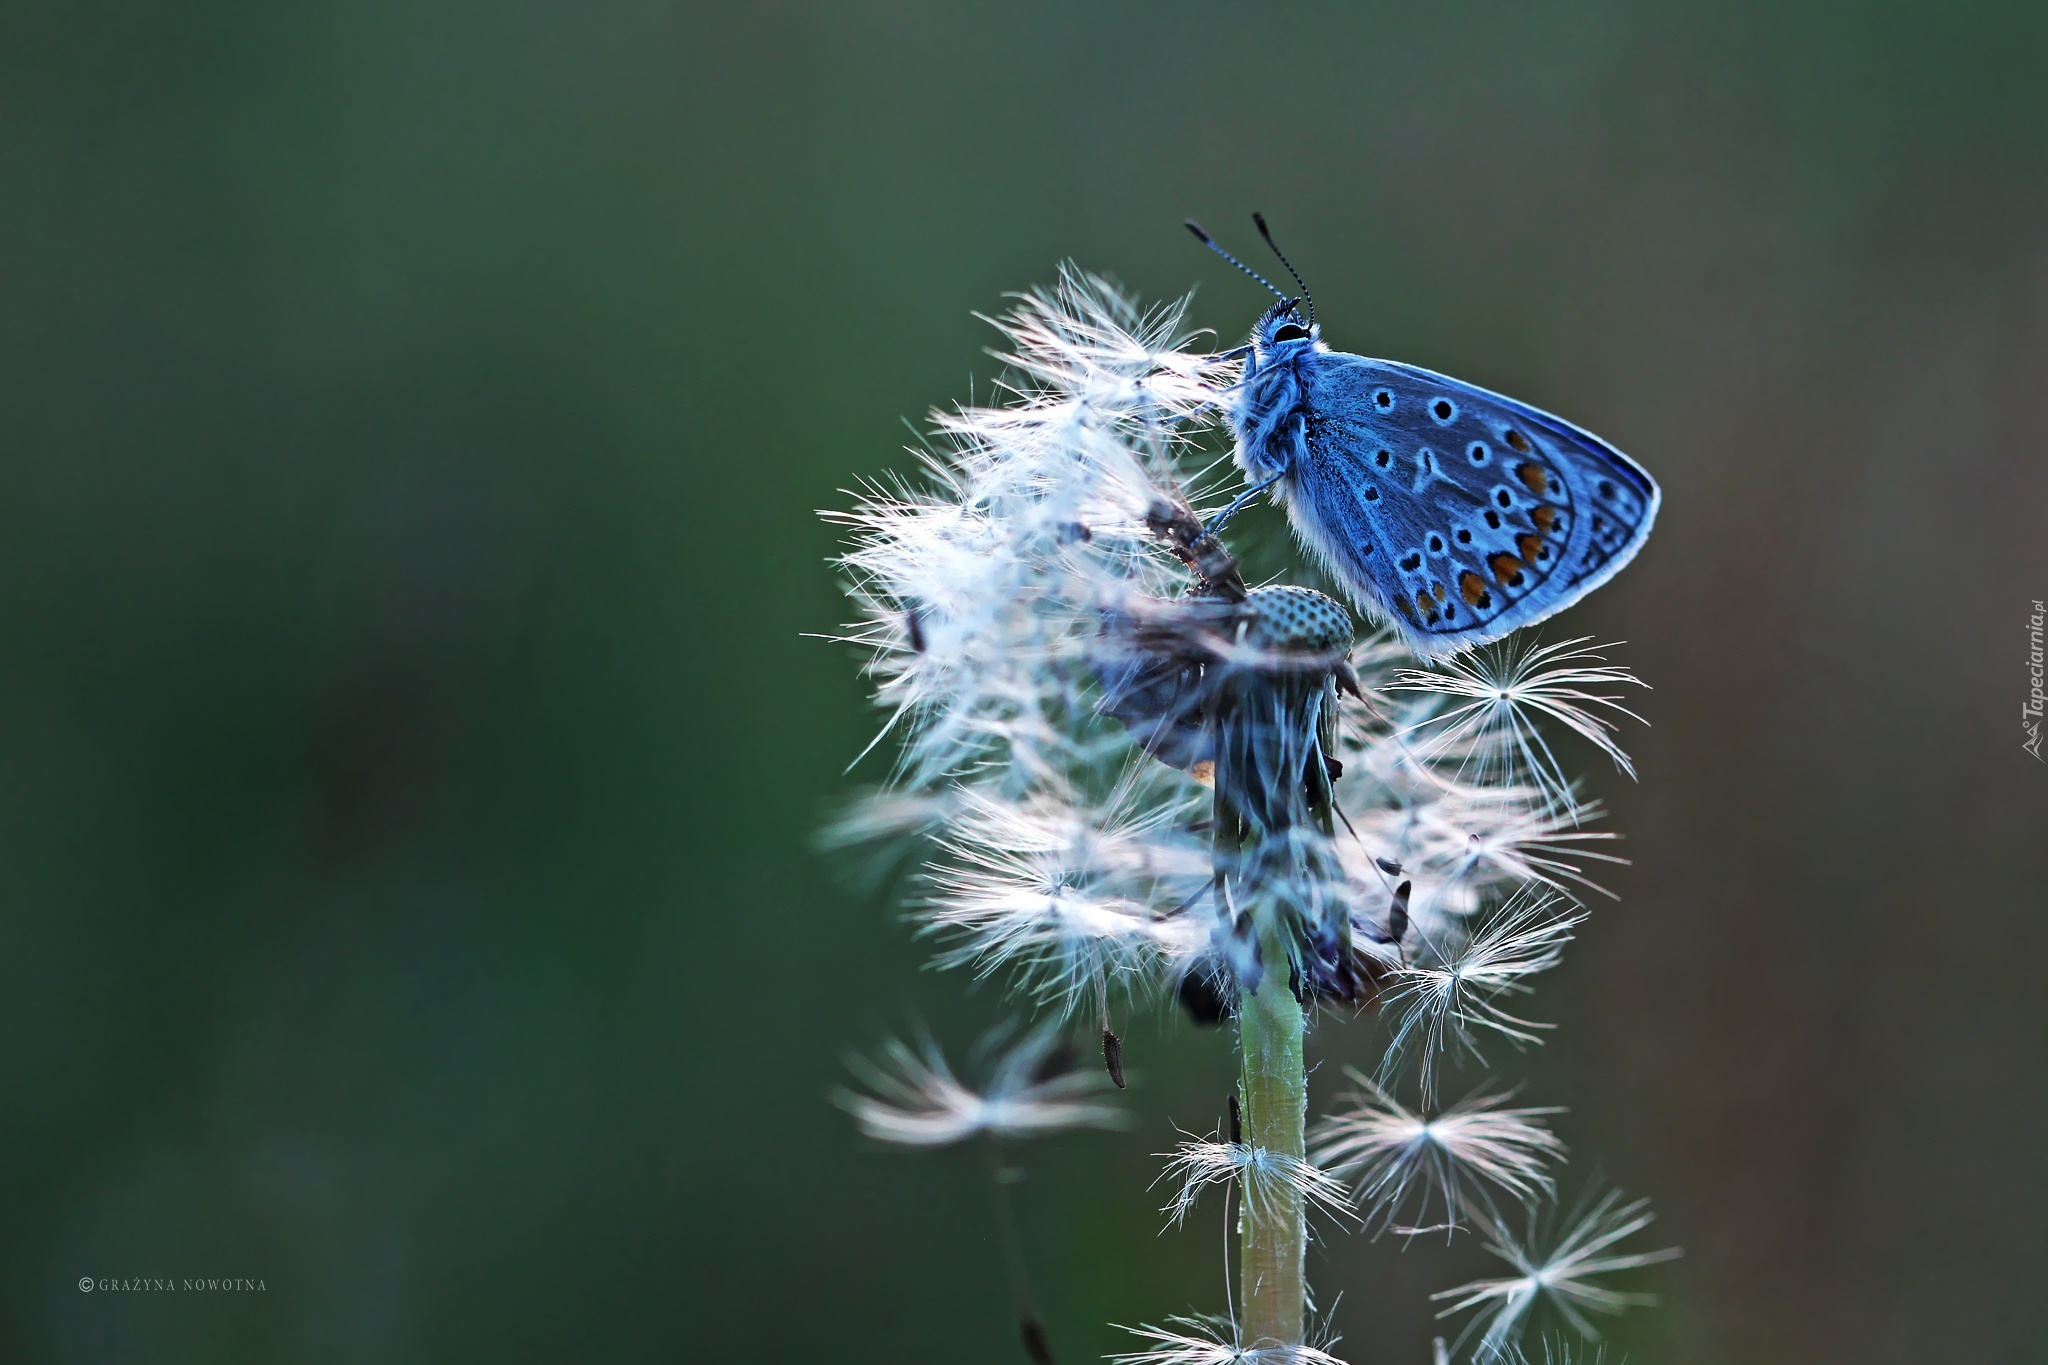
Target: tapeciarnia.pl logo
x,y
2030,714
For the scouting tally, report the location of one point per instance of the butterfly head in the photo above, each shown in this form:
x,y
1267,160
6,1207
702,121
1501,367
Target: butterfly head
x,y
1287,330
1281,327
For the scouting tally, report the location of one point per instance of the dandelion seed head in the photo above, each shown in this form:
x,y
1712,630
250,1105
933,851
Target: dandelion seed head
x,y
1036,643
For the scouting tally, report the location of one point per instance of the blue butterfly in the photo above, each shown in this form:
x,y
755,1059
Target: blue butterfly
x,y
1454,514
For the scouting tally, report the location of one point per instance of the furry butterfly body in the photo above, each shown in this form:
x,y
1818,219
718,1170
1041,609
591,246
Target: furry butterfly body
x,y
1453,513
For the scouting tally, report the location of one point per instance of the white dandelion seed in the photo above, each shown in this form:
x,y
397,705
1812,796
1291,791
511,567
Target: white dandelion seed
x,y
1501,692
1063,896
1515,844
1085,340
1400,1159
1267,1177
1555,1352
1566,1275
1462,850
918,1102
1443,999
1215,1341
886,816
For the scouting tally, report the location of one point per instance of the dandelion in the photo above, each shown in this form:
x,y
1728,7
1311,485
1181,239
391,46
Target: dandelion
x,y
1120,773
918,1102
1400,1158
1566,1275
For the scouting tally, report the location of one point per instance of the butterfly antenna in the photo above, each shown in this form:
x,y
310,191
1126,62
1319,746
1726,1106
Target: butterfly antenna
x,y
1209,242
1260,220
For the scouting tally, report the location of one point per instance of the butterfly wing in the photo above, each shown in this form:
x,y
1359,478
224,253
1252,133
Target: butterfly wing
x,y
1455,513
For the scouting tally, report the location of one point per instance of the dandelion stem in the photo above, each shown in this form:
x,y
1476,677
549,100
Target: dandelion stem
x,y
1274,1243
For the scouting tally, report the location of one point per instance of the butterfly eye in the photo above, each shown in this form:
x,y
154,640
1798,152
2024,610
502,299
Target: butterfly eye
x,y
1289,332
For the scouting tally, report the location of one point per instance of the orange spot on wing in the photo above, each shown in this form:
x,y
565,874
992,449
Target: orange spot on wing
x,y
1544,517
1528,545
1472,586
1506,569
1535,477
1518,441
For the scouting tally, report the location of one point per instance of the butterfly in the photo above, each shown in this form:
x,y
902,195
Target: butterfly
x,y
1449,512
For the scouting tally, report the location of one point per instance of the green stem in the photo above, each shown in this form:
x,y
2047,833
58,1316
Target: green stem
x,y
1274,1093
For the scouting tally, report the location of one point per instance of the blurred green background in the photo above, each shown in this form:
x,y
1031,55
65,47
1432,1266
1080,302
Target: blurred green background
x,y
411,421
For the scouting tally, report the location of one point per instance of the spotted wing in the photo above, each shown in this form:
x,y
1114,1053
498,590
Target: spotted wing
x,y
1453,512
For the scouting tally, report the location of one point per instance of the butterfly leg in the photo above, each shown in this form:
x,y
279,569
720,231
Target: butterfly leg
x,y
1216,522
1299,447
